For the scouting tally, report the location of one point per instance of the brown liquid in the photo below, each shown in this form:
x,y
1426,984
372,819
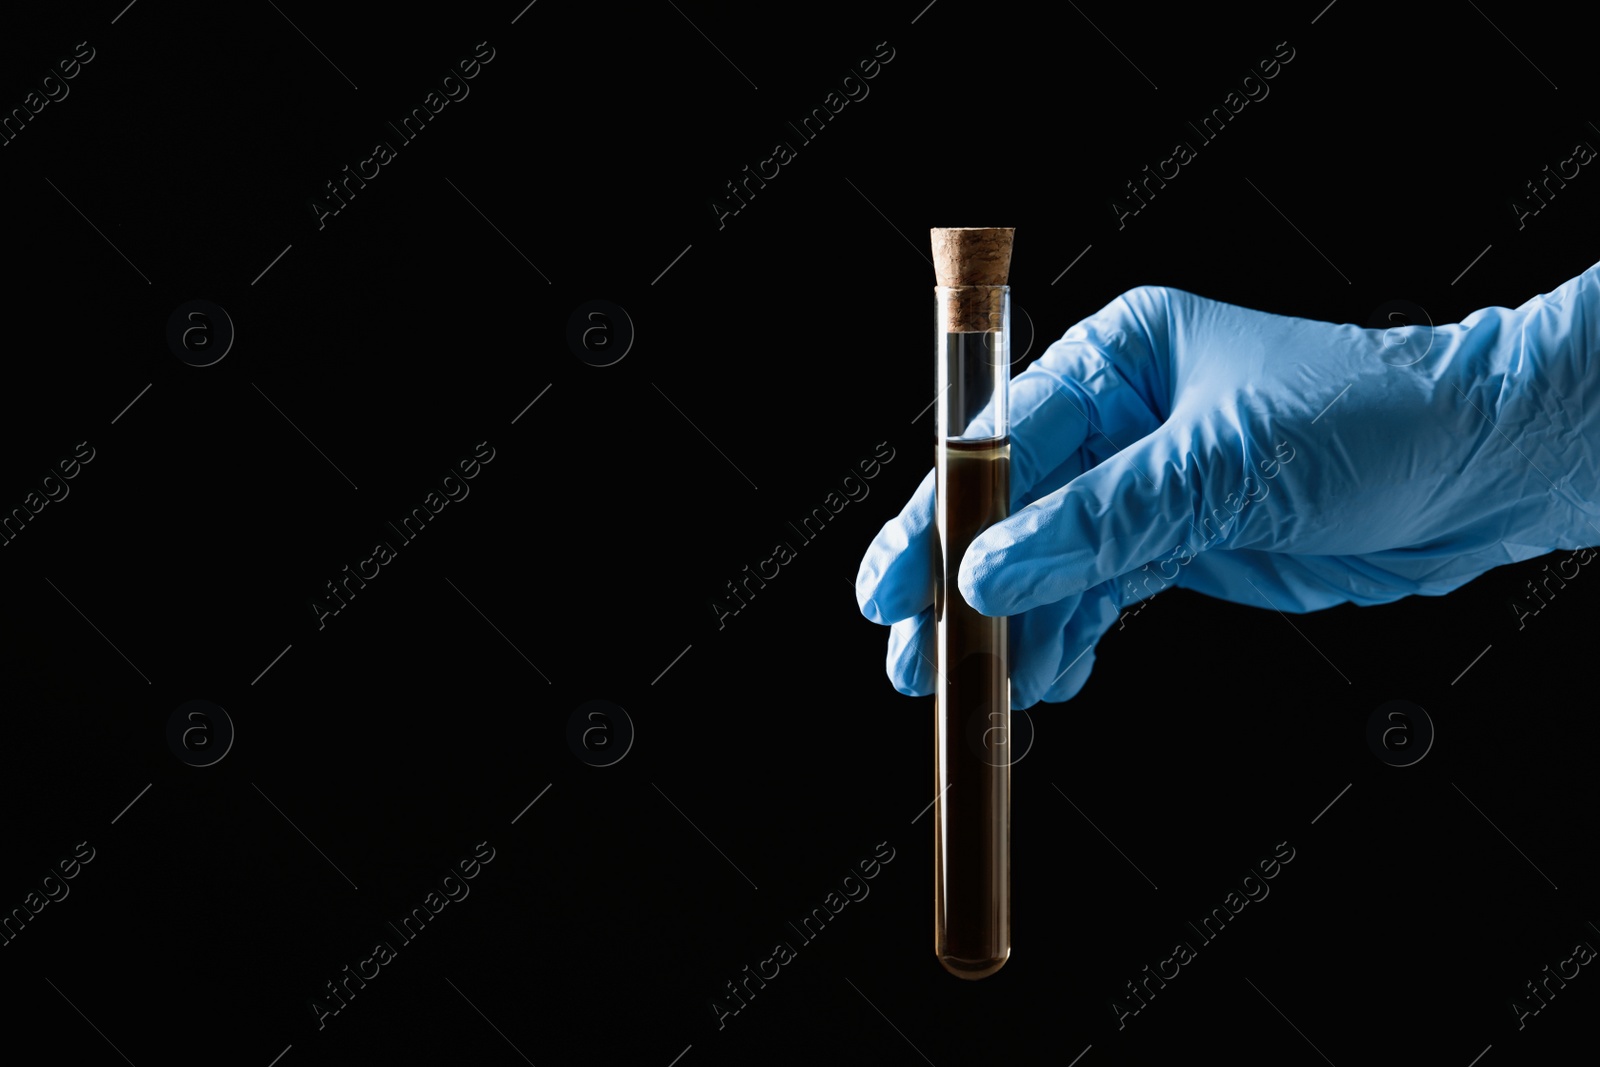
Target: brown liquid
x,y
972,712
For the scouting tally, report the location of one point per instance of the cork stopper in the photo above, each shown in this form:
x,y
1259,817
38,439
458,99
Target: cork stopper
x,y
973,263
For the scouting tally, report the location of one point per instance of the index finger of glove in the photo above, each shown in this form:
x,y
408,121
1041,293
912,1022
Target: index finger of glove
x,y
895,580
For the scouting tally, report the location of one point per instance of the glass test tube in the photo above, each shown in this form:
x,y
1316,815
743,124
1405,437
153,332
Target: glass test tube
x,y
972,694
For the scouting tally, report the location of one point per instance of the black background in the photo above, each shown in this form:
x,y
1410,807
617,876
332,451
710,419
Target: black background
x,y
772,353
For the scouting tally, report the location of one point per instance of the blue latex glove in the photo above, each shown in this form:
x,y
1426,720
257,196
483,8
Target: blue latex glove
x,y
1170,440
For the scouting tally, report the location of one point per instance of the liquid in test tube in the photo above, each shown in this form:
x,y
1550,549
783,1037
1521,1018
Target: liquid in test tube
x,y
972,687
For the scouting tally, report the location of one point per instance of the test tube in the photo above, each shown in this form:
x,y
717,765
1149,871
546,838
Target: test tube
x,y
972,687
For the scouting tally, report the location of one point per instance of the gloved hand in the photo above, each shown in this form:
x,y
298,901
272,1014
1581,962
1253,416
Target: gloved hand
x,y
1171,440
